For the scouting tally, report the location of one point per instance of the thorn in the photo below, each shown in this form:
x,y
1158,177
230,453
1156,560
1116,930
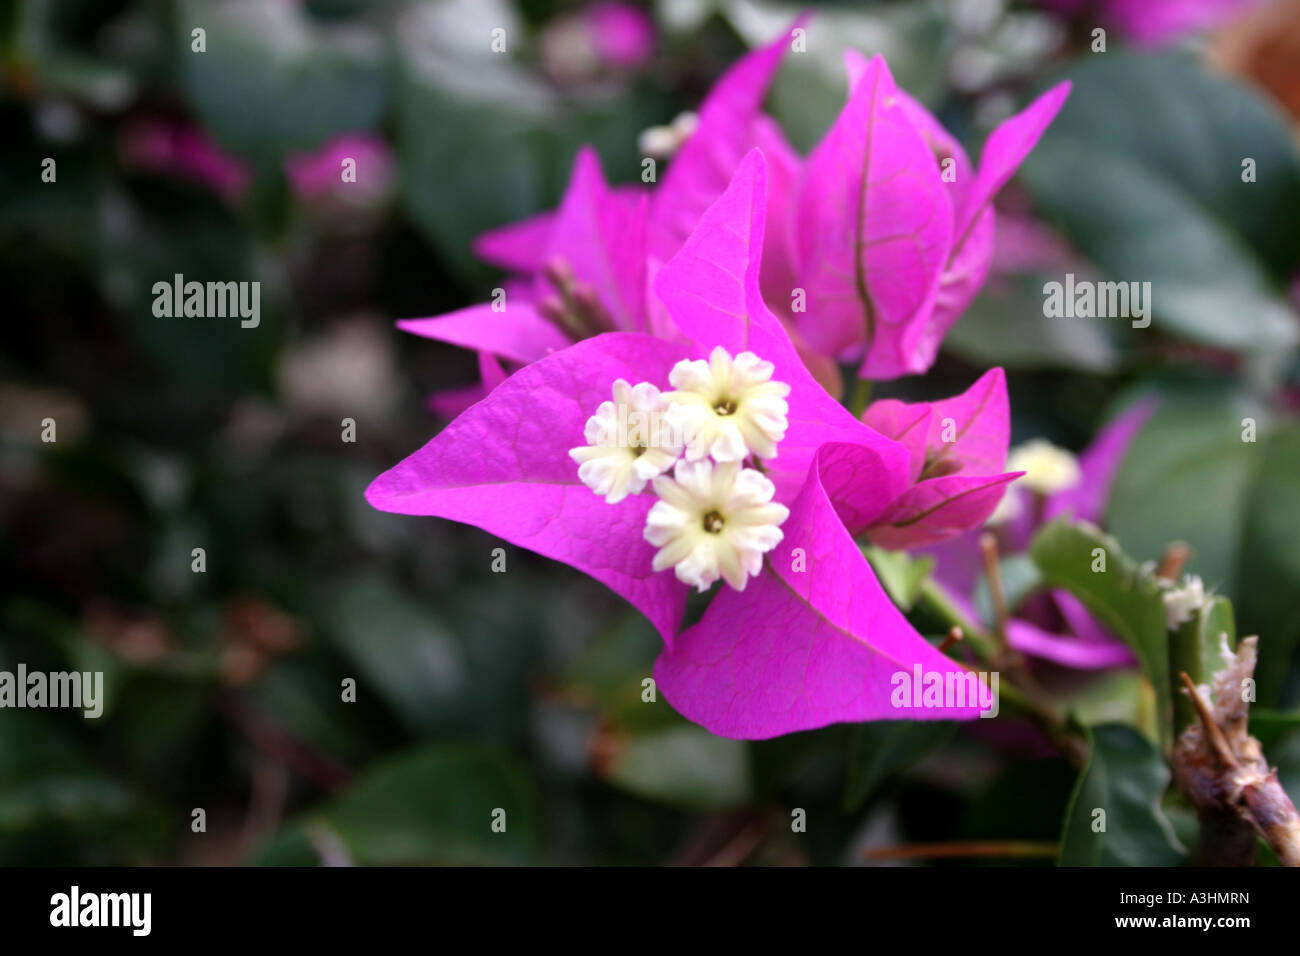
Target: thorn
x,y
954,636
1172,561
1212,732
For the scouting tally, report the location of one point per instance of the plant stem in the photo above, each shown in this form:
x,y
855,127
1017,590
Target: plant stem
x,y
861,395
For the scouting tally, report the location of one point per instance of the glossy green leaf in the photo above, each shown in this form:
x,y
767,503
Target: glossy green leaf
x,y
1114,817
1120,597
1143,170
902,575
885,748
1268,566
684,766
434,806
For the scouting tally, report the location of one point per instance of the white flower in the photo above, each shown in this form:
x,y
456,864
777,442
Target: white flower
x,y
1047,468
1009,508
714,521
628,442
1182,603
727,407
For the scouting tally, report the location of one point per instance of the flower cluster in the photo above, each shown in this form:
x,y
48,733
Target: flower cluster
x,y
715,517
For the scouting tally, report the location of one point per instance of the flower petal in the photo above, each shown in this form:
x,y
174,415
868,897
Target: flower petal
x,y
600,233
938,509
813,640
711,289
704,165
520,246
873,229
517,333
504,466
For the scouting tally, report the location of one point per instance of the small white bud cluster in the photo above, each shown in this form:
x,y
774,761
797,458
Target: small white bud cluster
x,y
715,517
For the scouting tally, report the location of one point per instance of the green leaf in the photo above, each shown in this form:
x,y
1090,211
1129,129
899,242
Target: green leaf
x,y
1143,170
273,78
686,766
902,575
1119,696
477,135
1269,726
1268,568
398,646
883,749
1120,597
434,806
1126,778
1189,479
1005,326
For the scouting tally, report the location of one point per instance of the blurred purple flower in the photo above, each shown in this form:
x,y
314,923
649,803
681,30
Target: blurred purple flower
x,y
322,172
876,243
622,34
1154,22
618,37
184,151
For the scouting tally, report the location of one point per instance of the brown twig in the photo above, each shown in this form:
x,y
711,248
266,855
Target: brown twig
x,y
1173,560
987,848
954,636
993,571
1221,769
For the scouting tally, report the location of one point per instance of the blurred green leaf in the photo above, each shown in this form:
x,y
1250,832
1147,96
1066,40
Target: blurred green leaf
x,y
1120,597
902,575
1118,696
431,807
58,806
477,135
882,749
1005,326
399,647
1268,562
1188,479
272,78
1143,169
1269,726
1126,778
686,766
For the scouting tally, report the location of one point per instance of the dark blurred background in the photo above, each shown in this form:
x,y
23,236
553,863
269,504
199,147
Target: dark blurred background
x,y
477,690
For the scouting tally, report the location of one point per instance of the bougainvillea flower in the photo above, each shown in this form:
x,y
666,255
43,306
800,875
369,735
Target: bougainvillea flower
x,y
876,243
956,448
1053,625
893,232
799,633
